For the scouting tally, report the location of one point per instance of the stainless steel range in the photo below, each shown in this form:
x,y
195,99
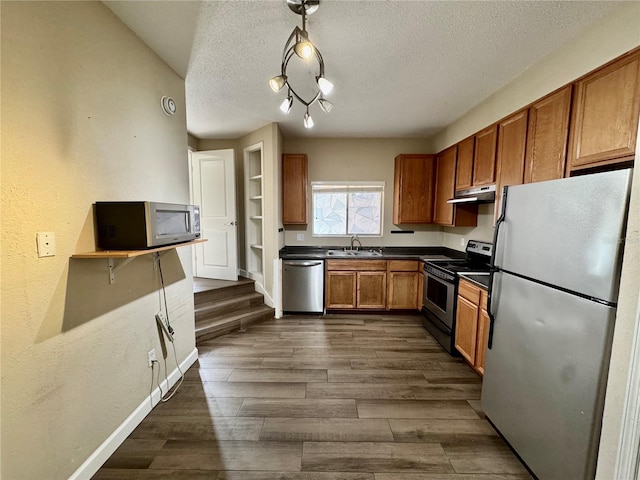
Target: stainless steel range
x,y
441,290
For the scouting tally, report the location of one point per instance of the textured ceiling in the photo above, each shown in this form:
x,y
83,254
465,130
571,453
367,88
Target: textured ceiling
x,y
400,68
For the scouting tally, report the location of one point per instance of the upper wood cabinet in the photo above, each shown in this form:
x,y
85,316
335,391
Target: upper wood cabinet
x,y
547,137
484,159
294,189
413,186
445,213
464,168
445,184
512,138
604,122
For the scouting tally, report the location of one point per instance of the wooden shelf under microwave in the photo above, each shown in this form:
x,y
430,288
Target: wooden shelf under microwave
x,y
127,256
133,253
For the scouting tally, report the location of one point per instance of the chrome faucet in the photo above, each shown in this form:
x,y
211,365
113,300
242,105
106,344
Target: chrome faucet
x,y
354,239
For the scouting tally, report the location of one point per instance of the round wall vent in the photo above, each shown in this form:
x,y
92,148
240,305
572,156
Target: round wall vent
x,y
168,105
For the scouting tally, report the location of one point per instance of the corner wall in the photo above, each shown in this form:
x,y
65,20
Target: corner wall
x,y
81,122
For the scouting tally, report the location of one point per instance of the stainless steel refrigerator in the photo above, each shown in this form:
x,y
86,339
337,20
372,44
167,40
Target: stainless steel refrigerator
x,y
557,257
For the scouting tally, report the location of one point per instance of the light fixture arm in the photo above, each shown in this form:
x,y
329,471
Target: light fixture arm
x,y
287,56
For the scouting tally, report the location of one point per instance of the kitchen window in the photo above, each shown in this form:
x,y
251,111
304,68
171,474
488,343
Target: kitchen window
x,y
347,208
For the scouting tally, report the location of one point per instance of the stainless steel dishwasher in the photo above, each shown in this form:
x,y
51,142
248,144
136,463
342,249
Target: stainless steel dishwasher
x,y
303,286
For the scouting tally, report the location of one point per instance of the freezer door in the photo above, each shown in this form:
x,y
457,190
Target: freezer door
x,y
567,232
545,375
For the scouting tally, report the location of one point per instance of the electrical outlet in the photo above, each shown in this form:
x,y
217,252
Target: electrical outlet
x,y
462,242
152,356
300,237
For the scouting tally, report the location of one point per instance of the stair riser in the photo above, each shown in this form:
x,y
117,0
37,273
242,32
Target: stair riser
x,y
217,310
221,293
233,325
218,331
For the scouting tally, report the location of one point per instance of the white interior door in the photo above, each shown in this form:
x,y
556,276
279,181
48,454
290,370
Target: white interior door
x,y
213,184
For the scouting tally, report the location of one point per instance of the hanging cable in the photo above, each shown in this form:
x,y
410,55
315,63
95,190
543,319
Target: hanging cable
x,y
173,345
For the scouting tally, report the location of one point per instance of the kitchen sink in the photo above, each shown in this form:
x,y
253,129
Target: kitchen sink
x,y
354,253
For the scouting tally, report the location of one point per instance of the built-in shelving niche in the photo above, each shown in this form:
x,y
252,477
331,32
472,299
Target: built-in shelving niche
x,y
254,197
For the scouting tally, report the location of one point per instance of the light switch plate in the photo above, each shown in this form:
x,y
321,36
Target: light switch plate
x,y
46,244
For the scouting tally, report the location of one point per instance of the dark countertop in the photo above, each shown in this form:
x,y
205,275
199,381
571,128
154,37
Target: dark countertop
x,y
388,253
481,280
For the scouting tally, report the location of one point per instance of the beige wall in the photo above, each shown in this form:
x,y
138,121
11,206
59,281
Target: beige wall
x,y
81,122
360,159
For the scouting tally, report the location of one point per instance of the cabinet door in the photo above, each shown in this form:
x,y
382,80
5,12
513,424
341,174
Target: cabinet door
x,y
482,339
464,168
340,290
372,290
445,184
547,137
512,138
294,189
403,290
484,161
413,189
604,122
466,329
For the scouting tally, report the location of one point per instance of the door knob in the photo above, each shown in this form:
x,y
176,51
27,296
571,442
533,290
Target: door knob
x,y
231,223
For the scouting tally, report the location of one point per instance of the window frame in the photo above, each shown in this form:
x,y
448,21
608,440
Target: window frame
x,y
377,186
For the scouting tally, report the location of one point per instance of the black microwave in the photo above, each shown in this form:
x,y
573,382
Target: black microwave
x,y
142,225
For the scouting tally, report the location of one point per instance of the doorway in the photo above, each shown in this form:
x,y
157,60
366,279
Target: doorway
x,y
213,188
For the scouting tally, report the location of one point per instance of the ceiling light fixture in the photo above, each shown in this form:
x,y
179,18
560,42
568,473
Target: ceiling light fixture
x,y
299,44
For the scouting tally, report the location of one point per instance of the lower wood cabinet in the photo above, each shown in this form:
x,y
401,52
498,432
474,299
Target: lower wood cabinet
x,y
340,289
472,324
373,284
356,284
404,290
371,290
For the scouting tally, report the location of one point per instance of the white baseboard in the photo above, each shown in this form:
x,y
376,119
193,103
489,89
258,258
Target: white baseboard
x,y
92,464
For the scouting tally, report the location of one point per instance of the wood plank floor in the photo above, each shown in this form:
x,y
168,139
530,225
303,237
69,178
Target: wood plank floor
x,y
371,397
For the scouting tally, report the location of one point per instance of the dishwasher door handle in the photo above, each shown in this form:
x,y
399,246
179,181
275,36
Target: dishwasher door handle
x,y
302,264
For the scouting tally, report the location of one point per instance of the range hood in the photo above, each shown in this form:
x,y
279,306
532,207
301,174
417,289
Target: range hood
x,y
485,194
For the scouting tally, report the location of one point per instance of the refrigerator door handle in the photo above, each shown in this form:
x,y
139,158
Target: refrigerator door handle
x,y
492,264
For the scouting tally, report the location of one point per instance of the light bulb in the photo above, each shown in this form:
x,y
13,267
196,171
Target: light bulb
x,y
308,121
324,85
304,49
276,83
325,105
285,106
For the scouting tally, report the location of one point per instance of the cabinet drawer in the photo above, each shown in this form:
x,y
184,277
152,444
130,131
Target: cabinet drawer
x,y
403,265
469,291
357,265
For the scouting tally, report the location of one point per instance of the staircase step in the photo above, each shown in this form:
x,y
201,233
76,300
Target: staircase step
x,y
213,295
209,310
237,320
